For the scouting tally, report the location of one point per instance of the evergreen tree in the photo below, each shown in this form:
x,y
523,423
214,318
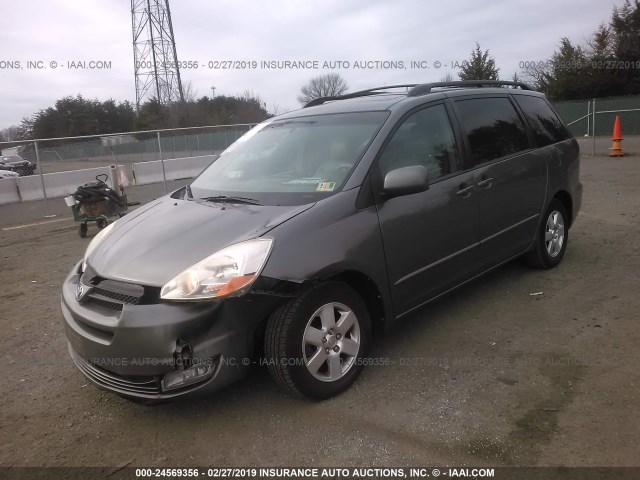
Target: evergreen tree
x,y
480,66
608,65
625,31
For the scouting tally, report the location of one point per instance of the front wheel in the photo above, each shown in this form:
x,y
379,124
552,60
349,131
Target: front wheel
x,y
552,238
315,344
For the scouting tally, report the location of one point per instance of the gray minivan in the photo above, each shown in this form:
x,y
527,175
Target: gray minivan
x,y
318,229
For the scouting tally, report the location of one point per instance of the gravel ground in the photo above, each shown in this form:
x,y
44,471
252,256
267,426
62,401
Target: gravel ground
x,y
503,377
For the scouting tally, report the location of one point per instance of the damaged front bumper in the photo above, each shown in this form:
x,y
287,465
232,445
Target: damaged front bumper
x,y
125,340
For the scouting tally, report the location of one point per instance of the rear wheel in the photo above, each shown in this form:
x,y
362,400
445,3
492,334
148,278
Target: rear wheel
x,y
552,238
314,345
83,230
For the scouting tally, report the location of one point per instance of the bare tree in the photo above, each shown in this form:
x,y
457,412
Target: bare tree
x,y
11,134
516,79
276,110
189,92
537,74
251,96
447,77
328,85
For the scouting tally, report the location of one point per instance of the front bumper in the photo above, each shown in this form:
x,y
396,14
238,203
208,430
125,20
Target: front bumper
x,y
131,349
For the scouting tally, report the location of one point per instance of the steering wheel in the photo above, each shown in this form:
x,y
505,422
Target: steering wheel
x,y
343,168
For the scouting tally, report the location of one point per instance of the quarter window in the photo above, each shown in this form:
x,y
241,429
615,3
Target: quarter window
x,y
424,138
545,125
493,128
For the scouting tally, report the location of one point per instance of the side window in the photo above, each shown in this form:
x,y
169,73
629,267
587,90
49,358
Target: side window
x,y
424,138
493,128
545,125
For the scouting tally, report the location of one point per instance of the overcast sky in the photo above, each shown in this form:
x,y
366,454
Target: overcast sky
x,y
255,30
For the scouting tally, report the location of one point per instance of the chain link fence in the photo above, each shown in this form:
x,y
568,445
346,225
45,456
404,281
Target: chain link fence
x,y
128,148
57,166
594,118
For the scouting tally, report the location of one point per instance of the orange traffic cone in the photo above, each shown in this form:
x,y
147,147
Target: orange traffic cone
x,y
616,141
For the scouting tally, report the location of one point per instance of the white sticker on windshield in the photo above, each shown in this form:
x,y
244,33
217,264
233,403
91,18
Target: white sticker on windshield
x,y
326,187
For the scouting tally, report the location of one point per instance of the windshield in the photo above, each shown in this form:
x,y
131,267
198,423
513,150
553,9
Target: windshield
x,y
291,161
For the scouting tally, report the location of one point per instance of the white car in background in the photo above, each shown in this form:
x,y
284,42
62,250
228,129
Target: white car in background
x,y
8,174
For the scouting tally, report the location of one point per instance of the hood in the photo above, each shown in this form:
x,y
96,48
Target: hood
x,y
158,241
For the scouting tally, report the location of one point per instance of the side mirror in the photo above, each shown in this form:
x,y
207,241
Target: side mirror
x,y
405,181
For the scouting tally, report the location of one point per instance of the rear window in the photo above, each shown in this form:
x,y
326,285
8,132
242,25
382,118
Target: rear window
x,y
544,123
493,128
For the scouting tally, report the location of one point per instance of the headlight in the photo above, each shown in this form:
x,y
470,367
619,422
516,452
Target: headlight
x,y
95,242
229,272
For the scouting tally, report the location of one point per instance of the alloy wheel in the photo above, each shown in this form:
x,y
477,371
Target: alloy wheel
x,y
331,342
554,233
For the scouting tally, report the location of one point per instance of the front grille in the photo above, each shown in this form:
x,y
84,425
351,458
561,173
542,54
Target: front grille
x,y
106,304
118,297
140,385
112,295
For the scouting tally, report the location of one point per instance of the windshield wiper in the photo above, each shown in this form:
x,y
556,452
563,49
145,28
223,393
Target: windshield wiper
x,y
228,199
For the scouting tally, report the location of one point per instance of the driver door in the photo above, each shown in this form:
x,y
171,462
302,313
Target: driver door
x,y
430,238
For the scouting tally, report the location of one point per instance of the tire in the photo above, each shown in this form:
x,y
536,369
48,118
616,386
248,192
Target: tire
x,y
101,223
83,230
303,365
552,238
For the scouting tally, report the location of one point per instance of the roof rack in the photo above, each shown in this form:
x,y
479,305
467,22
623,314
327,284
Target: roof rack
x,y
419,89
361,93
425,88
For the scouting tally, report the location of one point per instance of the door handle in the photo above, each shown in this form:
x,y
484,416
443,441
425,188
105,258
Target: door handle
x,y
465,190
485,182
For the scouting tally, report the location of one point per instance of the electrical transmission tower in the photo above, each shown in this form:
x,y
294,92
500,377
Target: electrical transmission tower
x,y
157,72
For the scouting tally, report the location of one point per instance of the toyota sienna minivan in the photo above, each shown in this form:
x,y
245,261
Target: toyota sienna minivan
x,y
318,229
